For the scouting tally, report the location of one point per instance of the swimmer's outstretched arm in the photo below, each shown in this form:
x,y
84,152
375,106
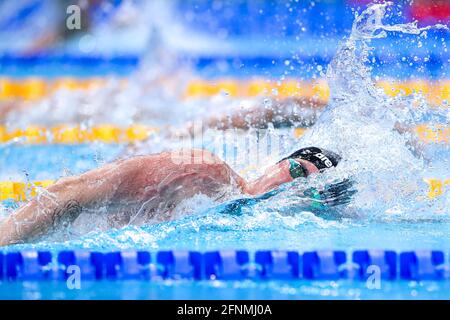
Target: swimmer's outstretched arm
x,y
280,113
259,115
274,176
63,200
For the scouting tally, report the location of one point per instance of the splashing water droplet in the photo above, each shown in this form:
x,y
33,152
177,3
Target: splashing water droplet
x,y
361,123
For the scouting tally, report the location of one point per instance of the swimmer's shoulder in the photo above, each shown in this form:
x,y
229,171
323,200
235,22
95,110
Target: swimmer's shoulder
x,y
190,157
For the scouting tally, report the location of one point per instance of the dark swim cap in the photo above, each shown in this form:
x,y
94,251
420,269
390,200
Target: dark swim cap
x,y
321,158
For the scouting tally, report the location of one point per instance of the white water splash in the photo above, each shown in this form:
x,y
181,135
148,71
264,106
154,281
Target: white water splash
x,y
361,122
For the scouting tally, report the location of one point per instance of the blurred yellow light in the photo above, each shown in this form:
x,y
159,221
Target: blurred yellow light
x,y
67,134
33,89
106,133
35,134
259,88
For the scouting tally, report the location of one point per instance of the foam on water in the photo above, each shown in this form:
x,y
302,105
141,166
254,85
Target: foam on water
x,y
361,123
367,128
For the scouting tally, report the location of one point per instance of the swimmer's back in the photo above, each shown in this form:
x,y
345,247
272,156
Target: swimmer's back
x,y
194,171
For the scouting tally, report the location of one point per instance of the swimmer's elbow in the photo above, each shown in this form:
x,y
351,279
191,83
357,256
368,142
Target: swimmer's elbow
x,y
65,184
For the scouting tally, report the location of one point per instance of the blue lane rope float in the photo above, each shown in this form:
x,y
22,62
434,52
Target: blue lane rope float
x,y
30,265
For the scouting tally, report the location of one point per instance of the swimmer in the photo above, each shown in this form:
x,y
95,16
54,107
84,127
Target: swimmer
x,y
146,189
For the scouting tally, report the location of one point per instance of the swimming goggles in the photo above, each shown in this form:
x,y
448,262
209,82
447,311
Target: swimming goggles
x,y
296,170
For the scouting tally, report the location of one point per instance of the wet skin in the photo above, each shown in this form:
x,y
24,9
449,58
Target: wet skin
x,y
143,189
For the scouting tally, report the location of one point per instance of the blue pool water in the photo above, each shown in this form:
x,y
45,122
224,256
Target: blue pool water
x,y
227,290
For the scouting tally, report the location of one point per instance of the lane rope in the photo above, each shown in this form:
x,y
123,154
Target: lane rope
x,y
108,133
23,191
75,134
436,92
225,265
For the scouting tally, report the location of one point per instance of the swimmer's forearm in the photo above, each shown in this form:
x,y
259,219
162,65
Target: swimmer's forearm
x,y
260,115
34,220
279,174
42,213
63,200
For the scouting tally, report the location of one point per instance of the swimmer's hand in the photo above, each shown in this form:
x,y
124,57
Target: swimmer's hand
x,y
332,195
234,207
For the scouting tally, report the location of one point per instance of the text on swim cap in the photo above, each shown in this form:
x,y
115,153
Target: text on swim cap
x,y
324,159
